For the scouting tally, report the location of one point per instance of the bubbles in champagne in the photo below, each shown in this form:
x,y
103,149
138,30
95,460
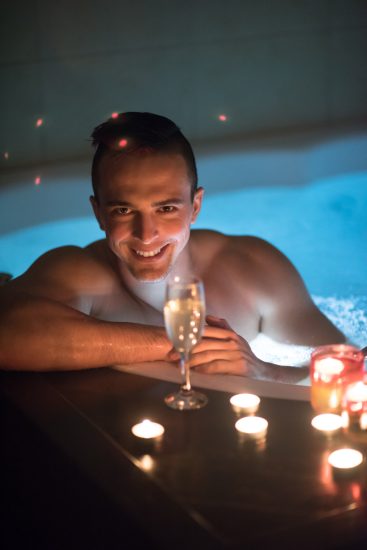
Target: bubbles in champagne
x,y
184,320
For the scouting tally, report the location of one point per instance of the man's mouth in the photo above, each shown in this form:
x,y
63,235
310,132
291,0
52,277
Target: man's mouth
x,y
150,254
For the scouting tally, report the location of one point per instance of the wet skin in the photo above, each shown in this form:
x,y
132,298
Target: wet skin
x,y
145,207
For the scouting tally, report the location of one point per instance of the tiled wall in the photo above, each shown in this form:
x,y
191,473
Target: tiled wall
x,y
268,65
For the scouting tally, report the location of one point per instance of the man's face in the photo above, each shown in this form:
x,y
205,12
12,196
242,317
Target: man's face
x,y
145,207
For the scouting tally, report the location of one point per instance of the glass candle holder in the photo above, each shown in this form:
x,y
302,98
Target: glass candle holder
x,y
354,406
333,367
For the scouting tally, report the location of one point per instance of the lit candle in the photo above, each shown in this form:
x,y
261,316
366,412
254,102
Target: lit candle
x,y
354,405
328,368
345,459
326,389
332,367
327,422
356,396
363,421
254,426
246,403
147,429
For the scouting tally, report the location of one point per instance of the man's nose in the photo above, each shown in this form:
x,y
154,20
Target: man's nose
x,y
145,228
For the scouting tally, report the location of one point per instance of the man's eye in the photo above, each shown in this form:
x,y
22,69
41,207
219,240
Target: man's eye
x,y
121,211
167,209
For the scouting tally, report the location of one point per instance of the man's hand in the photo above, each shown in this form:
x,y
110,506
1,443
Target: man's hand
x,y
223,351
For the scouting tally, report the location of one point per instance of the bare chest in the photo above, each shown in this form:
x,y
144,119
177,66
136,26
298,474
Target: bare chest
x,y
230,294
222,302
120,306
237,308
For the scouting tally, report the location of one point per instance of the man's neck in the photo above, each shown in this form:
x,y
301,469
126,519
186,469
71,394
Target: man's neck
x,y
153,293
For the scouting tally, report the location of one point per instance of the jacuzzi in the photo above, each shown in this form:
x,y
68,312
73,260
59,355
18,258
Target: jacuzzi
x,y
308,198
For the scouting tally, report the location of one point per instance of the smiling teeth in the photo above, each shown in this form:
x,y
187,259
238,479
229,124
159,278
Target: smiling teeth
x,y
148,254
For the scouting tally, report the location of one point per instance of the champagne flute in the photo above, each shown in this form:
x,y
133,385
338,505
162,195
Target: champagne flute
x,y
184,316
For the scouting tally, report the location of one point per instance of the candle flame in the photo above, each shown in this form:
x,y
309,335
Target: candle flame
x,y
345,458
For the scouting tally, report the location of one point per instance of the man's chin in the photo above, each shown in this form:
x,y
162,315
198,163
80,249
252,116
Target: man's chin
x,y
149,275
152,279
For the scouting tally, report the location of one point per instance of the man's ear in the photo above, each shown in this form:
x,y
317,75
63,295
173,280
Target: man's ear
x,y
97,211
198,198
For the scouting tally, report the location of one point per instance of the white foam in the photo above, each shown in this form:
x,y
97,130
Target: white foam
x,y
348,314
281,354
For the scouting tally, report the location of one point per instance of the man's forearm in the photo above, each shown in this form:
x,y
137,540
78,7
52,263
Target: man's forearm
x,y
38,334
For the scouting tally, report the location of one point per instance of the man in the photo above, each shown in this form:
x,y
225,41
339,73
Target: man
x,y
102,305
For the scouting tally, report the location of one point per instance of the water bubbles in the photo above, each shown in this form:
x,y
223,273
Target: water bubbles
x,y
348,314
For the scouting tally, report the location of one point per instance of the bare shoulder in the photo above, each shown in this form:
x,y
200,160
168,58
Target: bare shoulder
x,y
254,251
206,244
252,259
258,251
66,260
266,261
66,274
270,275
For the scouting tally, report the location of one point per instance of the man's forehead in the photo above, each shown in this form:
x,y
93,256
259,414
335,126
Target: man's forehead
x,y
141,160
154,173
155,178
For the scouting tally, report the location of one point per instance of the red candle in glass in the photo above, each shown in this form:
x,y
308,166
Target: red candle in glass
x,y
333,367
354,405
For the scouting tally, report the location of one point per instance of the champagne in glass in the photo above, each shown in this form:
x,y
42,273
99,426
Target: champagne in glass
x,y
184,315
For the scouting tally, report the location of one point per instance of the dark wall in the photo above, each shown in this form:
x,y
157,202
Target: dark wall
x,y
269,66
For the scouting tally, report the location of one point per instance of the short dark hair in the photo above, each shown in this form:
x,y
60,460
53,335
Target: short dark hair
x,y
130,132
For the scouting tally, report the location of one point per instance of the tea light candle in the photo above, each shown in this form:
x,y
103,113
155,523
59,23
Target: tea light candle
x,y
327,422
356,397
147,429
355,404
328,368
345,459
332,368
254,426
363,421
247,403
326,392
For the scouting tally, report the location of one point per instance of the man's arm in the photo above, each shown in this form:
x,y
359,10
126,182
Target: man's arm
x,y
287,311
287,314
39,330
38,334
222,351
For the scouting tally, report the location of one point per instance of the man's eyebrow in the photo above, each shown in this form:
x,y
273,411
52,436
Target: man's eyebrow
x,y
116,202
168,201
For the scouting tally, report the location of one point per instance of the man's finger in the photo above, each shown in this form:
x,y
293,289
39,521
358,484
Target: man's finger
x,y
215,355
214,321
222,367
215,344
206,344
219,333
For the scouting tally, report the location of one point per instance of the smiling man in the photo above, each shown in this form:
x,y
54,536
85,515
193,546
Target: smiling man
x,y
78,308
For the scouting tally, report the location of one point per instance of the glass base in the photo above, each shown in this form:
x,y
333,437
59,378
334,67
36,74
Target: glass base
x,y
184,400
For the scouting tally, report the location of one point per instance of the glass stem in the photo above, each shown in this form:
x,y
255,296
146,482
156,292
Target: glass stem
x,y
185,372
